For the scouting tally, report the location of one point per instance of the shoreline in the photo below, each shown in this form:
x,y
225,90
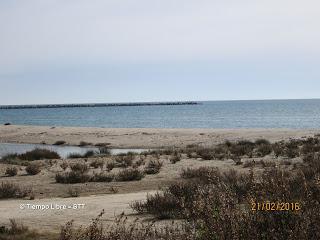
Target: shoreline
x,y
142,137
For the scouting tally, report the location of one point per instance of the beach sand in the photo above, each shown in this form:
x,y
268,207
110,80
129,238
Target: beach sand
x,y
141,137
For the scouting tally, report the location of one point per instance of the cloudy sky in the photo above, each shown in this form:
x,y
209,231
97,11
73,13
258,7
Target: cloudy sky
x,y
78,51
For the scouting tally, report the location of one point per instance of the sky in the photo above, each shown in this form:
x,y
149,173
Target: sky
x,y
80,51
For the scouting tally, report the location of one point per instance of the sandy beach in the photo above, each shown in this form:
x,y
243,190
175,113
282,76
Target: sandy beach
x,y
141,137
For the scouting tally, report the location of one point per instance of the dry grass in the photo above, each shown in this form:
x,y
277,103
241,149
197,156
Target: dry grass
x,y
11,190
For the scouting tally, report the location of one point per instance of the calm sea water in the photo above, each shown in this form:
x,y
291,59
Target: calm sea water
x,y
213,114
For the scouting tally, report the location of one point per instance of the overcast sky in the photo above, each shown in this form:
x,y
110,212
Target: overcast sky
x,y
79,51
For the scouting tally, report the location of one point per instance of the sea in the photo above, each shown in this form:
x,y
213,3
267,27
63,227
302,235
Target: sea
x,y
294,114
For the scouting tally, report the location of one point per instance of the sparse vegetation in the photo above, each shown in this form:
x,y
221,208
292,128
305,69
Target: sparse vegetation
x,y
64,165
124,160
11,190
33,169
79,167
17,231
36,154
129,174
59,142
83,144
72,177
88,154
11,171
73,192
175,157
104,151
102,177
97,164
153,167
110,166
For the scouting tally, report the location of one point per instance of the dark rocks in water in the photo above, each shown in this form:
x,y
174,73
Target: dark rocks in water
x,y
7,124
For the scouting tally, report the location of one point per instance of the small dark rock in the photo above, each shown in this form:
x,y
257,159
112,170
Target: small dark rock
x,y
7,124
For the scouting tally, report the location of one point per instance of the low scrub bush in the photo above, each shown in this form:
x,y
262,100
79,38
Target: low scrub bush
x,y
102,177
11,171
11,190
110,166
104,151
83,144
88,154
36,154
33,169
176,157
153,167
79,167
264,150
97,164
129,174
72,177
124,160
64,165
60,142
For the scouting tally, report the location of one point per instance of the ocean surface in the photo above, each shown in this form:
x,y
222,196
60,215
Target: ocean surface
x,y
297,114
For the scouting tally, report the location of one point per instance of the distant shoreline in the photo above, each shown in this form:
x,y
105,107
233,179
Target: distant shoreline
x,y
150,138
98,105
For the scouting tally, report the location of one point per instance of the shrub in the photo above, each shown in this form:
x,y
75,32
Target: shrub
x,y
153,167
242,148
83,143
89,153
11,171
72,177
124,161
176,157
163,205
75,155
195,172
102,177
205,153
79,167
249,164
262,141
36,154
10,190
104,151
97,164
73,192
33,169
122,229
110,166
60,142
129,174
264,150
64,166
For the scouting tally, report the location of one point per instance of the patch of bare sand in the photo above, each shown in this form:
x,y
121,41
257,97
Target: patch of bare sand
x,y
52,220
140,137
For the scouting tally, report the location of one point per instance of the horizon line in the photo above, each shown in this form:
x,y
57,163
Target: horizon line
x,y
182,102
